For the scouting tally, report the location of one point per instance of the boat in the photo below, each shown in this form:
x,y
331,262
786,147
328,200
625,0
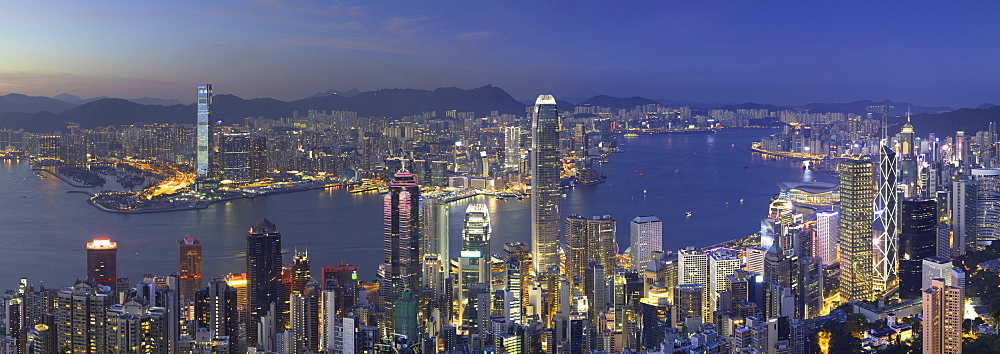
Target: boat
x,y
687,214
631,135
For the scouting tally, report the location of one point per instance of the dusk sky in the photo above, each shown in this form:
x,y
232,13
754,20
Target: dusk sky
x,y
784,52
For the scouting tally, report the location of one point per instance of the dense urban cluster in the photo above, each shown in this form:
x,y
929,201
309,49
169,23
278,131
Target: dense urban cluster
x,y
888,247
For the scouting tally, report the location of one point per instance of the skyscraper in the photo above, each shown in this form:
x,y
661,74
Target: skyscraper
x,y
189,266
476,232
545,184
434,227
917,241
692,268
587,240
401,240
942,305
646,236
258,158
204,131
236,156
512,147
263,260
855,230
301,268
907,156
102,262
722,263
886,214
826,236
987,205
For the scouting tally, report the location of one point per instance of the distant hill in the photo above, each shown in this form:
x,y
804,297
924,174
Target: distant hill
x,y
232,109
349,93
969,120
156,101
16,102
102,112
861,107
617,102
752,105
401,102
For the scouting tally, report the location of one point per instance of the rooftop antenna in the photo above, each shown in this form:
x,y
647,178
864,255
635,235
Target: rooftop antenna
x,y
907,113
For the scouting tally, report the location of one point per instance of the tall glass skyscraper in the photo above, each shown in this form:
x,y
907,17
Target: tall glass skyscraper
x,y
264,264
402,267
857,191
545,184
102,262
204,132
887,214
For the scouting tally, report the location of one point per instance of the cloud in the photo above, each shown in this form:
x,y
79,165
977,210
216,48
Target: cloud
x,y
479,35
407,26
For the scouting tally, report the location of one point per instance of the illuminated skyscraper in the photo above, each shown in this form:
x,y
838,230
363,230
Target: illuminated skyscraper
x,y
300,272
476,233
692,268
204,131
825,243
189,266
545,184
907,156
235,151
857,192
401,241
646,236
102,262
258,158
589,240
263,260
942,305
512,147
887,214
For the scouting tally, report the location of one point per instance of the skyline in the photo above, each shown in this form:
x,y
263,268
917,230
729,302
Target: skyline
x,y
769,53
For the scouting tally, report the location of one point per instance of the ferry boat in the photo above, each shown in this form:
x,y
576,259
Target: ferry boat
x,y
366,186
631,135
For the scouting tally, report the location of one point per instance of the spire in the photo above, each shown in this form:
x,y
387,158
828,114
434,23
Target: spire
x,y
402,165
907,114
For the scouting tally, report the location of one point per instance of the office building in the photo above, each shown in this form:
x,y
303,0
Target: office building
x,y
917,241
434,227
189,266
825,243
590,239
722,263
963,216
263,264
512,147
777,278
886,215
205,129
987,205
907,155
401,242
102,262
301,272
545,168
692,268
258,158
646,237
234,149
942,314
857,193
